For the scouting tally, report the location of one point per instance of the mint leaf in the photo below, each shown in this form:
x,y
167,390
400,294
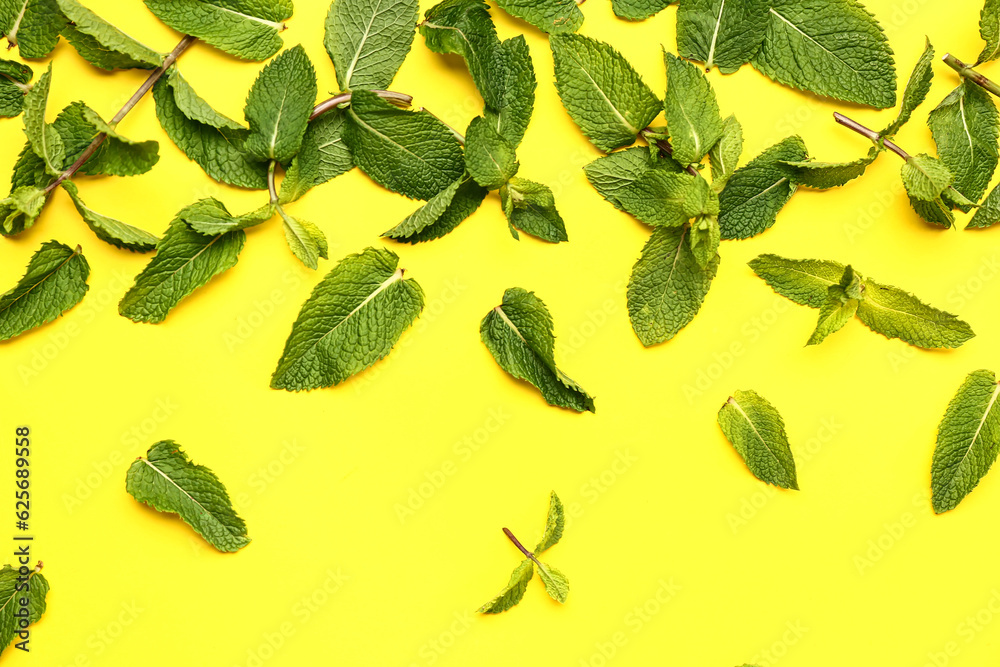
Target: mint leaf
x,y
612,174
205,136
988,213
989,29
638,10
804,281
518,333
704,239
102,44
117,155
917,87
323,156
658,197
54,282
601,91
247,29
834,48
412,153
184,261
21,209
305,239
14,78
44,138
691,111
926,177
667,286
757,191
441,214
556,584
755,429
897,314
489,158
31,25
716,32
109,230
211,217
368,40
833,315
352,319
513,591
464,28
726,152
554,525
936,211
964,126
168,481
12,590
531,207
551,16
516,88
967,441
279,105
825,175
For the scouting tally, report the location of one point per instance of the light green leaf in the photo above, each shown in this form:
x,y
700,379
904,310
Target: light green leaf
x,y
323,156
691,111
368,40
726,152
833,315
658,197
54,282
21,209
516,91
12,591
824,175
556,583
755,429
168,481
551,16
834,48
193,106
279,105
704,239
758,190
638,10
989,29
721,33
612,174
988,213
601,91
531,207
31,25
518,333
489,158
936,211
804,281
352,319
667,286
118,155
14,78
513,591
101,43
897,314
464,28
917,87
555,522
306,240
247,29
211,218
109,230
925,177
441,214
44,138
412,153
968,440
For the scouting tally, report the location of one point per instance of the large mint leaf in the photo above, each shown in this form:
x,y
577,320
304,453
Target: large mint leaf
x,y
513,591
14,78
602,92
917,87
612,174
968,440
551,16
757,191
323,156
516,91
489,158
101,43
755,429
897,314
247,29
804,281
834,48
531,207
667,286
638,10
464,28
54,282
12,591
168,481
989,29
352,319
44,138
368,39
720,32
279,105
412,153
184,261
659,197
31,25
109,230
518,333
441,214
691,111
824,175
118,155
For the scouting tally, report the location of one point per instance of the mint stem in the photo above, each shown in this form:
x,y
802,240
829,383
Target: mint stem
x,y
870,134
270,182
181,47
510,536
971,74
399,99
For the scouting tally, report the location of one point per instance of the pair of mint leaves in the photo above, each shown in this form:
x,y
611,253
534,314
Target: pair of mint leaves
x,y
555,582
12,592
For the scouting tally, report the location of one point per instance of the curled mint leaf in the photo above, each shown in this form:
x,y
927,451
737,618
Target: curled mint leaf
x,y
917,87
248,29
531,208
102,44
825,175
725,154
117,155
555,522
45,140
441,214
513,591
109,230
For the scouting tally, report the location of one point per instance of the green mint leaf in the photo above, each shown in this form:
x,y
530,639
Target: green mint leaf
x,y
102,44
117,155
758,190
556,583
964,126
513,591
441,214
755,429
926,177
555,522
601,91
412,153
305,239
352,319
211,218
716,32
168,481
517,91
704,239
988,213
726,152
368,40
897,314
612,174
638,10
185,260
804,281
531,207
109,230
989,29
44,138
667,286
658,197
691,111
936,211
54,282
205,136
279,105
14,78
968,440
518,333
841,305
31,25
825,175
834,48
11,591
917,87
21,209
323,156
551,16
489,158
247,29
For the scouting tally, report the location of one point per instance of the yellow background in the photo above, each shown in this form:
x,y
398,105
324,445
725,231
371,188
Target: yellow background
x,y
676,555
